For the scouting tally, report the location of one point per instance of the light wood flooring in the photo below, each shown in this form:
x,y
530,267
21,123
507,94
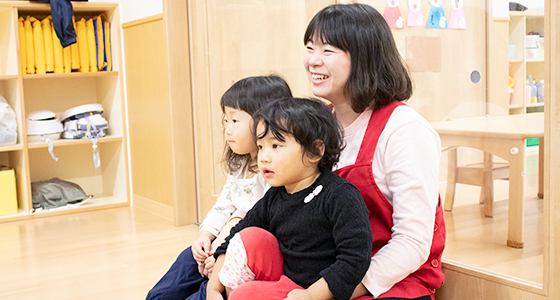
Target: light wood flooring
x,y
111,254
121,253
479,242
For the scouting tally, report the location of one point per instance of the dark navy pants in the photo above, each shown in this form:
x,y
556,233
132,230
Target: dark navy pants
x,y
182,281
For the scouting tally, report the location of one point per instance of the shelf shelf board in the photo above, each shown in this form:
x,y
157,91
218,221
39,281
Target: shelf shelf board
x,y
67,142
531,13
535,104
15,217
8,77
516,61
11,148
535,60
95,203
70,75
514,106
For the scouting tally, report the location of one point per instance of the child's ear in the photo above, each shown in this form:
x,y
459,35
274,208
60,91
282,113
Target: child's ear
x,y
320,147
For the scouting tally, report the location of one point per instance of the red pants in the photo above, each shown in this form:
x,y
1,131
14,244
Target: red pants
x,y
266,262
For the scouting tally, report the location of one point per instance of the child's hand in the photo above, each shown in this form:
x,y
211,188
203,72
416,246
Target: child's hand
x,y
201,248
209,265
213,295
298,294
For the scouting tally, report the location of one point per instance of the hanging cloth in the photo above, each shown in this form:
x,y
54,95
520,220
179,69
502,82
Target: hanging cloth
x,y
99,43
49,50
62,13
90,33
39,45
30,45
83,45
75,51
22,45
58,53
107,58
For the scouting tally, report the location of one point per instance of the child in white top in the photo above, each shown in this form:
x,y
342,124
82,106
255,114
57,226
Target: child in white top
x,y
187,277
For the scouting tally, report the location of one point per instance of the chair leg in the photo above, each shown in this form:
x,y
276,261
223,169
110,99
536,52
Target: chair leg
x,y
451,179
487,191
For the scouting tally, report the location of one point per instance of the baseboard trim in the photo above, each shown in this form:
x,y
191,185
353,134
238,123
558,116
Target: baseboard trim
x,y
152,206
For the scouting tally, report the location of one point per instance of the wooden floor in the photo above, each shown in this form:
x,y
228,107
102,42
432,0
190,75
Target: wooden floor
x,y
121,253
480,243
110,254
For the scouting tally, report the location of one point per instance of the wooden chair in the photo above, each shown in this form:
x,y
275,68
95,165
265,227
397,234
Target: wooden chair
x,y
480,174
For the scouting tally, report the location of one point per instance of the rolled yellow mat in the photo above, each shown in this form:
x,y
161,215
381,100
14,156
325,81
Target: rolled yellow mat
x,y
82,38
99,42
58,53
22,46
107,30
75,50
91,46
67,53
49,48
29,43
39,45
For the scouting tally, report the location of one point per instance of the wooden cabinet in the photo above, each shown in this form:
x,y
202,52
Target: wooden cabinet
x,y
59,92
525,63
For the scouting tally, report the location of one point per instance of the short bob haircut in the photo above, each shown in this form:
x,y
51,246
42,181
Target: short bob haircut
x,y
378,73
249,95
309,121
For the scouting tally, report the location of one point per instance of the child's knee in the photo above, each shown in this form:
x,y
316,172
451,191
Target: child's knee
x,y
258,238
263,254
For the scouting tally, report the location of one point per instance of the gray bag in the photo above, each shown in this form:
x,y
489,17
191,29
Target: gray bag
x,y
55,193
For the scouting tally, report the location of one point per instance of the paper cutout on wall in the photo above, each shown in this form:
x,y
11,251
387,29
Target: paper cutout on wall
x,y
437,15
392,14
457,16
414,17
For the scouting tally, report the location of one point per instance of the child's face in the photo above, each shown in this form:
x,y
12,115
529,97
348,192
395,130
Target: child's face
x,y
237,131
328,69
283,163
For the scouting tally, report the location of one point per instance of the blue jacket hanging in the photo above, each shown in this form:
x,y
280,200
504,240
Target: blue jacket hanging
x,y
62,13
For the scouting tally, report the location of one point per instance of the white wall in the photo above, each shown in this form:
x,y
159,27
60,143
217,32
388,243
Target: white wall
x,y
136,9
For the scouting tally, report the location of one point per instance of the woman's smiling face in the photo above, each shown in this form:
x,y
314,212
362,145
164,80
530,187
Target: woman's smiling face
x,y
328,69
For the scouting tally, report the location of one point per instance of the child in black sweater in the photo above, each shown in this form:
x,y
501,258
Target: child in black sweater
x,y
309,236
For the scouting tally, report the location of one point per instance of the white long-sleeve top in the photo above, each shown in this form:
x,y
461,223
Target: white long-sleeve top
x,y
406,170
237,197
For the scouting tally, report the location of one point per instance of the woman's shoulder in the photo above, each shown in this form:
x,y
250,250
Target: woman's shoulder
x,y
406,116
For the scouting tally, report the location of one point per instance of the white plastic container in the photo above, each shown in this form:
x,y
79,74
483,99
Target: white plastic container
x,y
531,47
43,122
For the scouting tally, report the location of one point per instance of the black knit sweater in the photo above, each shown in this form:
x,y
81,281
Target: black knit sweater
x,y
329,237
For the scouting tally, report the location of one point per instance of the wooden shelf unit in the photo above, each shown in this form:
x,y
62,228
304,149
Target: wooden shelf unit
x,y
26,93
520,67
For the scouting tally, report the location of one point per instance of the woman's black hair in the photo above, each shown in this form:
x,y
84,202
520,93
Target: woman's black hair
x,y
309,121
249,95
378,73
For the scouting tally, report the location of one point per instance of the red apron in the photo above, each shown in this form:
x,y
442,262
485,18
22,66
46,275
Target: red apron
x,y
429,276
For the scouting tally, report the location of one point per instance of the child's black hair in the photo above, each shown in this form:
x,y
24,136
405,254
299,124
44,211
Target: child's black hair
x,y
249,95
378,74
308,120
